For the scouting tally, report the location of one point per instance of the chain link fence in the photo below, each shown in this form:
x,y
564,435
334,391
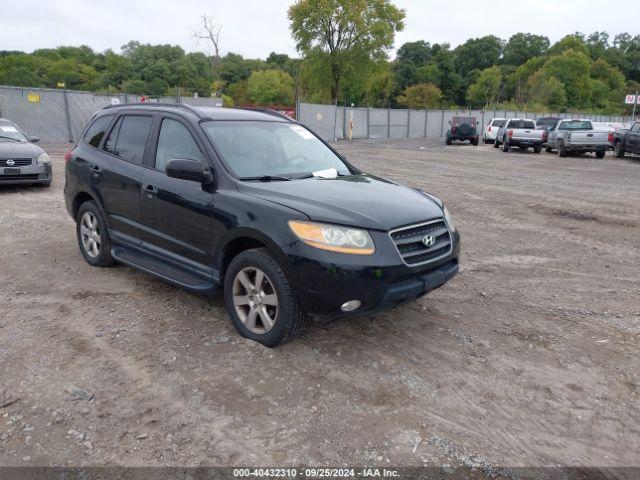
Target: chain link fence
x,y
61,115
335,122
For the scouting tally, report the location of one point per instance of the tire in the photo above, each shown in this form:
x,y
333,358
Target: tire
x,y
496,144
600,154
475,141
87,236
562,151
548,149
284,313
537,149
505,146
449,142
619,150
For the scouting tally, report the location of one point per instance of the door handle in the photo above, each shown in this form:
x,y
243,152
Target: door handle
x,y
150,189
96,169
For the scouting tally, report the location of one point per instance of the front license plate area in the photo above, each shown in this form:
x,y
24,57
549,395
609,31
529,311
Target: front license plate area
x,y
12,171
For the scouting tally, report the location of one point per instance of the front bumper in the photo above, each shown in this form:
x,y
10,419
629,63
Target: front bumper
x,y
324,280
28,174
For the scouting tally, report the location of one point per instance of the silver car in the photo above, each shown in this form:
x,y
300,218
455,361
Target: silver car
x,y
20,160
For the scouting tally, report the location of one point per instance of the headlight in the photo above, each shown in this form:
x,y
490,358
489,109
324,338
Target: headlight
x,y
333,237
44,159
448,219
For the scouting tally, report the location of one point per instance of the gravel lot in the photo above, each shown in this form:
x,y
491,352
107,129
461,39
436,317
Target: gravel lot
x,y
529,357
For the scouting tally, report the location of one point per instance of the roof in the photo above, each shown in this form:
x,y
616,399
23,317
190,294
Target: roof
x,y
206,113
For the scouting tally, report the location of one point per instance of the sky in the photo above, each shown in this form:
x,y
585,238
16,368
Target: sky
x,y
254,28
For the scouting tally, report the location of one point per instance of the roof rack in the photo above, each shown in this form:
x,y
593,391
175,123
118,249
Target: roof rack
x,y
268,111
186,106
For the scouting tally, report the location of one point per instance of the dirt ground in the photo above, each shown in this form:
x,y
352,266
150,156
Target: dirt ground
x,y
529,357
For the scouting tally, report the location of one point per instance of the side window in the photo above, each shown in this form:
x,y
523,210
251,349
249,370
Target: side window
x,y
128,138
175,141
636,128
96,130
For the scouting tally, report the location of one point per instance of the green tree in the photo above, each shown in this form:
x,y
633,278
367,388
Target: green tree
x,y
573,42
486,89
344,35
571,67
477,54
271,87
547,90
421,96
524,46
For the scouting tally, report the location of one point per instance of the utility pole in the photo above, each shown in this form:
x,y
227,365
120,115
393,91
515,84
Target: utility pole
x,y
633,115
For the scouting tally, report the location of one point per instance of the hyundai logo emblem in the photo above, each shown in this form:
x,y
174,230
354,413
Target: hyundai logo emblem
x,y
11,163
428,240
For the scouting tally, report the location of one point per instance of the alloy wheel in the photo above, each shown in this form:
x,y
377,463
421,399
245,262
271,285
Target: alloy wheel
x,y
255,300
90,234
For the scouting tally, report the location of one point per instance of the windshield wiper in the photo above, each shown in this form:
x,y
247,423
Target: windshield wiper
x,y
10,138
266,178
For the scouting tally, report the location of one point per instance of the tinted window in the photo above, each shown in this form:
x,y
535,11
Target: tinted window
x,y
96,131
129,137
463,120
497,123
575,125
175,141
636,128
521,124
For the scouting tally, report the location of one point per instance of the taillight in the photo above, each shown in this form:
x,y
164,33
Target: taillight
x,y
610,140
453,129
489,128
67,156
510,133
544,135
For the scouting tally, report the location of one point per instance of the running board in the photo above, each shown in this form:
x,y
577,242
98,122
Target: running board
x,y
169,273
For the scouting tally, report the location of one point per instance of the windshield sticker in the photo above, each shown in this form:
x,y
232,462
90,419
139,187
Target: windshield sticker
x,y
303,132
9,129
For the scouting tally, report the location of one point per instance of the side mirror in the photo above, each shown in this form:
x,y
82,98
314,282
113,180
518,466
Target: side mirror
x,y
34,139
191,170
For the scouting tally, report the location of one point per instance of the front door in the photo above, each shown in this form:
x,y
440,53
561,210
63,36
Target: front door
x,y
177,214
633,138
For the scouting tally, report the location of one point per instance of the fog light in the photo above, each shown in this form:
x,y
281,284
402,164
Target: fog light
x,y
351,305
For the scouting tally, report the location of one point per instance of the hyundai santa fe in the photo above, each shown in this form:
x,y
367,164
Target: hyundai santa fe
x,y
257,204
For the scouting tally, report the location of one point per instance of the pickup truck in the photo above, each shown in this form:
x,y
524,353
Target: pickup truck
x,y
521,133
579,136
627,141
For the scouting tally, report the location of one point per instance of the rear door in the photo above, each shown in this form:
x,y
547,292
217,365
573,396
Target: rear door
x,y
177,214
119,174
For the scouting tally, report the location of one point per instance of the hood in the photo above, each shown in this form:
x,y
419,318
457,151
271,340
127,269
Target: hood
x,y
10,149
358,200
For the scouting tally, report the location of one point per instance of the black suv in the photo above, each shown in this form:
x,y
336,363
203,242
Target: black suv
x,y
256,203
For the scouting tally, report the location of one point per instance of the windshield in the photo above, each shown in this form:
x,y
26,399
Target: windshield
x,y
9,132
497,123
547,122
521,124
256,149
575,125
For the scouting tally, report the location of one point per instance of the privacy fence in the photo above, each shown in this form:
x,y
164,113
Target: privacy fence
x,y
60,115
332,121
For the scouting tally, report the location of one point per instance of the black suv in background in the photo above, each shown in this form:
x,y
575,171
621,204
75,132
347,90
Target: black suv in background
x,y
256,203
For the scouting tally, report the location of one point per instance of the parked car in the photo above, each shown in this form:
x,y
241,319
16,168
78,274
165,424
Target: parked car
x,y
20,160
491,130
579,136
463,129
627,140
546,123
256,203
521,133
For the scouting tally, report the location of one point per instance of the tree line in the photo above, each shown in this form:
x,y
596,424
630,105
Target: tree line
x,y
344,48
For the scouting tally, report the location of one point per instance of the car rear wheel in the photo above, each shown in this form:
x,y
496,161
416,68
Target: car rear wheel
x,y
449,141
260,299
619,150
496,144
562,150
537,149
93,236
600,154
548,149
505,146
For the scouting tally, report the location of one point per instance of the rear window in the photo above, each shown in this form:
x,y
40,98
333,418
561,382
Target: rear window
x,y
497,123
128,138
96,130
575,125
463,120
521,124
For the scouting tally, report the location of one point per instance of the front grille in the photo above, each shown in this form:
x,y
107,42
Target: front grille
x,y
17,162
409,242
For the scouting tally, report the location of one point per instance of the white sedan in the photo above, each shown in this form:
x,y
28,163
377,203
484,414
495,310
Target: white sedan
x,y
491,129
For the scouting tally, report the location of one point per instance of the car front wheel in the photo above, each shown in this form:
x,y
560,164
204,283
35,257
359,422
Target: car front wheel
x,y
619,150
260,300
